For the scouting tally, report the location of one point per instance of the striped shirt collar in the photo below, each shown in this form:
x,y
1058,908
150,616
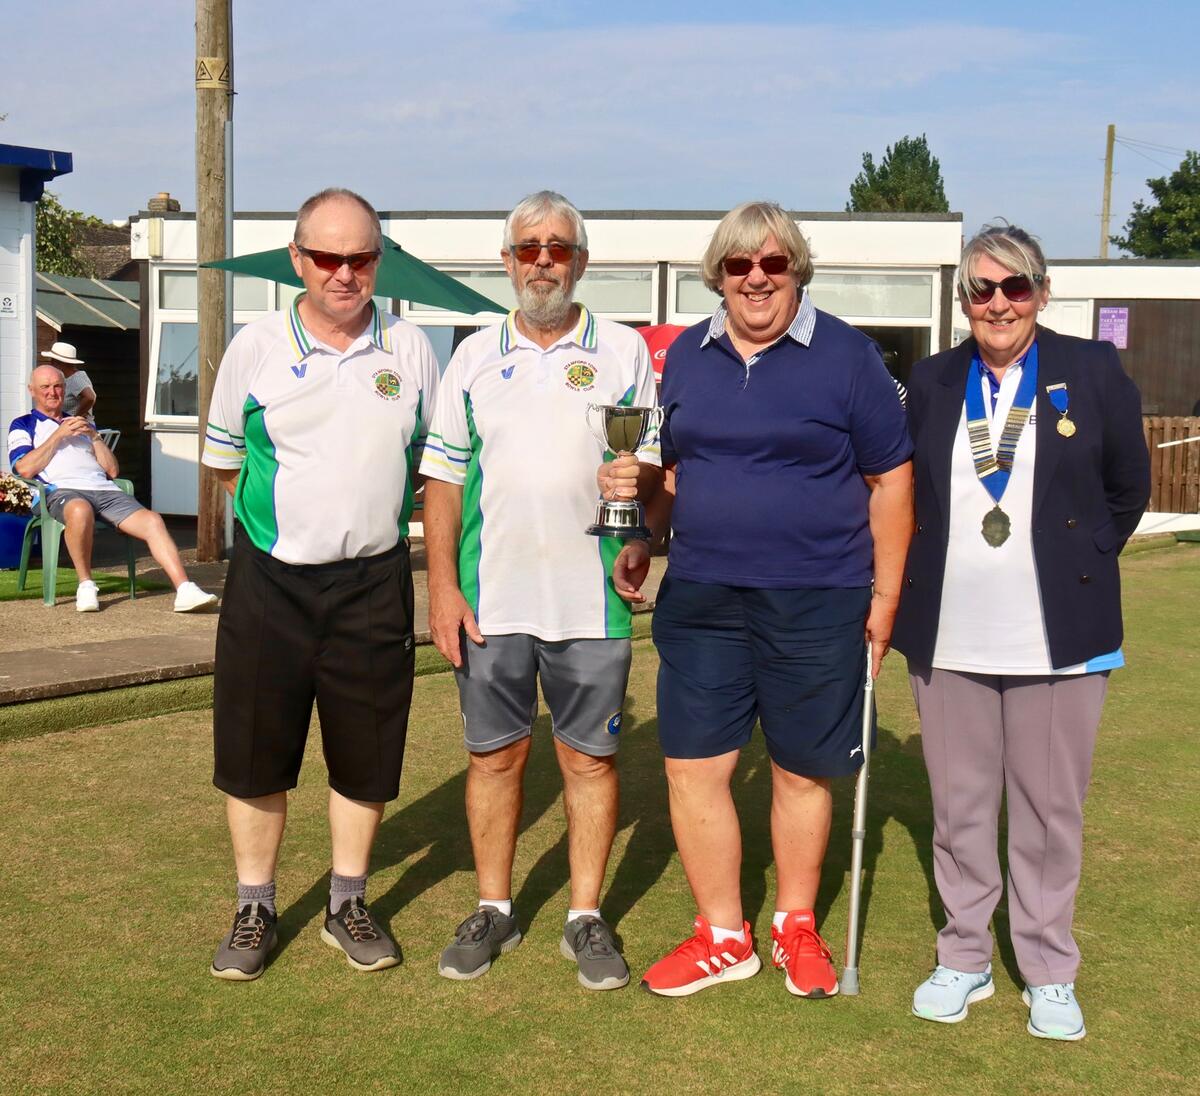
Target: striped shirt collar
x,y
303,343
800,329
583,335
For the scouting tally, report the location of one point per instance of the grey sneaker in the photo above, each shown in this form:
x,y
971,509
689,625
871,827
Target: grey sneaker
x,y
589,942
367,944
483,936
243,953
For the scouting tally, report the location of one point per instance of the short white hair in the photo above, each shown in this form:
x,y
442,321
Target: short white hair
x,y
540,207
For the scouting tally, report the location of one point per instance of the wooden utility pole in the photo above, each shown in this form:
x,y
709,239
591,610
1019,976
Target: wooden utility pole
x,y
1106,208
214,88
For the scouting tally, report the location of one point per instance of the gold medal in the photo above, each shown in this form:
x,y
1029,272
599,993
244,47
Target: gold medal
x,y
1065,427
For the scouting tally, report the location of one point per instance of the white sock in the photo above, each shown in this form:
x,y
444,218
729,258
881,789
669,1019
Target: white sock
x,y
86,582
720,935
504,905
573,915
779,918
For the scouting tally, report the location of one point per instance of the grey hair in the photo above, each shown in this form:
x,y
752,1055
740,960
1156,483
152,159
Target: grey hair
x,y
1012,247
331,193
744,230
539,207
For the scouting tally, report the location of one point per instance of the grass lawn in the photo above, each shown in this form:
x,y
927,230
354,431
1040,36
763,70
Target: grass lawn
x,y
110,582
118,886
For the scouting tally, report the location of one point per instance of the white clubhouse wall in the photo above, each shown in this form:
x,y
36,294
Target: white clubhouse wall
x,y
16,281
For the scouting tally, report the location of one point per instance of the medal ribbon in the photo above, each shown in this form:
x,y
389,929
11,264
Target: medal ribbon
x,y
1058,397
994,469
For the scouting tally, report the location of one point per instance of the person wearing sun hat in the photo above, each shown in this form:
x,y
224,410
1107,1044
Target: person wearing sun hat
x,y
80,398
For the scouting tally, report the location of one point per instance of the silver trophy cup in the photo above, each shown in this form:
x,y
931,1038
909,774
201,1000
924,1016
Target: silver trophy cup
x,y
621,429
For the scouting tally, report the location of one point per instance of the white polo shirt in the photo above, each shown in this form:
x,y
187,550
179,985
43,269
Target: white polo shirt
x,y
509,426
74,463
327,441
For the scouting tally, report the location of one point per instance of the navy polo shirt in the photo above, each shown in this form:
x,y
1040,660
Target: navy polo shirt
x,y
770,456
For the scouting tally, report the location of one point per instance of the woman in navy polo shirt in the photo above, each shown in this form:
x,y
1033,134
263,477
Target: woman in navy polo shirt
x,y
792,492
1031,473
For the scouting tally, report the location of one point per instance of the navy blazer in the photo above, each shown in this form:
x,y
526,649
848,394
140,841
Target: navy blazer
x,y
1089,491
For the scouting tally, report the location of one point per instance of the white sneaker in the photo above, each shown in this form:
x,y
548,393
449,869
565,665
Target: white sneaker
x,y
189,597
87,597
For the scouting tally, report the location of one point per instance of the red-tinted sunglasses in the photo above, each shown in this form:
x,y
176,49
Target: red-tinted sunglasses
x,y
531,252
738,266
331,261
1016,288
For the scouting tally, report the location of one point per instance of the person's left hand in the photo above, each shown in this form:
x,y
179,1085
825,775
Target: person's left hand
x,y
617,478
880,618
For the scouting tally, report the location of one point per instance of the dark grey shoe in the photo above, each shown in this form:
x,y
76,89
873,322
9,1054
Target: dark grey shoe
x,y
589,942
243,953
367,944
484,935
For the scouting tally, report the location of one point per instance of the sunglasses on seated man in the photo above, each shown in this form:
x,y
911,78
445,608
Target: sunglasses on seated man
x,y
331,261
1016,288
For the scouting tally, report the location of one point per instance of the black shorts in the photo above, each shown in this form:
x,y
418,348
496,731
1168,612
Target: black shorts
x,y
340,633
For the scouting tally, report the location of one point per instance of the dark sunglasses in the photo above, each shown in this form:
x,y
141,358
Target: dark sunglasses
x,y
738,266
331,261
1016,288
531,252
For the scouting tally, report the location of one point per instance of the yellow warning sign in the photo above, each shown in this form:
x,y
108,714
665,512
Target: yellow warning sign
x,y
212,72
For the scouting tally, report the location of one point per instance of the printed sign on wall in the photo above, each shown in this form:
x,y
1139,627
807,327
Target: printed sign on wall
x,y
1114,327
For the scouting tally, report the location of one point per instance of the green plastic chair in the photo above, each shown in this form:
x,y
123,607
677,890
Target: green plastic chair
x,y
52,531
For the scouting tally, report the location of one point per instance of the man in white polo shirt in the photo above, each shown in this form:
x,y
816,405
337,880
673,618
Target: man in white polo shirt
x,y
66,455
316,428
510,469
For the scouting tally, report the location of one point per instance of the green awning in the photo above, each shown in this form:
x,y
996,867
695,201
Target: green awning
x,y
400,275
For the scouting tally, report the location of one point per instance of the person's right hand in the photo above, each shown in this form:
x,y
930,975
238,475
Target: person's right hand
x,y
73,426
449,614
617,478
630,569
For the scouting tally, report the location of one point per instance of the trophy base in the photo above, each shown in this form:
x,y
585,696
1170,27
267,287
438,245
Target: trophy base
x,y
619,519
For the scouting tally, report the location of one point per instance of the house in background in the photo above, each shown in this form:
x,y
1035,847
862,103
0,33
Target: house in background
x,y
24,173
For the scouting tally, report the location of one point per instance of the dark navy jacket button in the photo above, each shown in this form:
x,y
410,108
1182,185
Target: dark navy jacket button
x,y
908,581
1085,578
1071,523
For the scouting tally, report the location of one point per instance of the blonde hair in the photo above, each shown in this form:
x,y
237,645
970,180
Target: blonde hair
x,y
1012,247
744,230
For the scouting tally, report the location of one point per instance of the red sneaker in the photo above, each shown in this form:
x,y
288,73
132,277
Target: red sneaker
x,y
699,963
800,951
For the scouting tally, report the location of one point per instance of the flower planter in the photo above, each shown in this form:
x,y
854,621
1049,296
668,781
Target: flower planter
x,y
12,532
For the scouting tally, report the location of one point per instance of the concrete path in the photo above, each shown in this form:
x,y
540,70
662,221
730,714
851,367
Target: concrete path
x,y
50,652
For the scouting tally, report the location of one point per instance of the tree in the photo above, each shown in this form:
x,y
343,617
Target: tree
x,y
56,236
1169,229
907,180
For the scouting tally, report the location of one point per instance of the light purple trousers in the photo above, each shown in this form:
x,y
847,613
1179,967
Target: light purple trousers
x,y
1034,736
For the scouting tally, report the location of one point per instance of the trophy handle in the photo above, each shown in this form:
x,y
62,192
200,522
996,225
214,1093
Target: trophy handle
x,y
597,432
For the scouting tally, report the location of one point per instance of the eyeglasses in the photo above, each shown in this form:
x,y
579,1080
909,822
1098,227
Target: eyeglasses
x,y
531,252
1016,288
331,261
738,266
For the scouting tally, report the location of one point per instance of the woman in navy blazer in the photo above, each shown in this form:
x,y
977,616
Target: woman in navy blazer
x,y
1030,473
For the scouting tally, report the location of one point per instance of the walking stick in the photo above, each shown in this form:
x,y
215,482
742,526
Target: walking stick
x,y
848,983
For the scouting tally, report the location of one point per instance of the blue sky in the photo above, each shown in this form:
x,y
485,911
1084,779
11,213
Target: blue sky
x,y
620,105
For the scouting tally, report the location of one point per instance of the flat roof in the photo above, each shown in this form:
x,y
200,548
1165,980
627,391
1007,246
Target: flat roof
x,y
37,166
87,302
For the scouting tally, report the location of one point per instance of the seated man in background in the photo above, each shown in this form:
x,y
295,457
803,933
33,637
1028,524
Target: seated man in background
x,y
65,453
80,397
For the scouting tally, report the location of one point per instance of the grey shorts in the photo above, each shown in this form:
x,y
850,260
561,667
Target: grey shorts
x,y
113,506
583,681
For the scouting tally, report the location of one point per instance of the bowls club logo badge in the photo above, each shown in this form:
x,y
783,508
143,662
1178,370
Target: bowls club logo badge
x,y
387,384
581,376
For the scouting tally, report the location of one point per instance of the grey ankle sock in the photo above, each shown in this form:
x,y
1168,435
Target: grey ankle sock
x,y
342,887
263,894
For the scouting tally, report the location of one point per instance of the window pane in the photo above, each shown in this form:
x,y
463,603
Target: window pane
x,y
616,290
177,289
251,294
908,296
493,284
175,391
693,296
287,294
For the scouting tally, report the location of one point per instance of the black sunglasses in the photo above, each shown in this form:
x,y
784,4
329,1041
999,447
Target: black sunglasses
x,y
1016,288
331,261
738,266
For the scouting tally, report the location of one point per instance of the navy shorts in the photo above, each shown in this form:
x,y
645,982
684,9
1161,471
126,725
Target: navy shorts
x,y
793,659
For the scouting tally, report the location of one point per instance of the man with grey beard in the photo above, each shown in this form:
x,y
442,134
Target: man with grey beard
x,y
517,589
